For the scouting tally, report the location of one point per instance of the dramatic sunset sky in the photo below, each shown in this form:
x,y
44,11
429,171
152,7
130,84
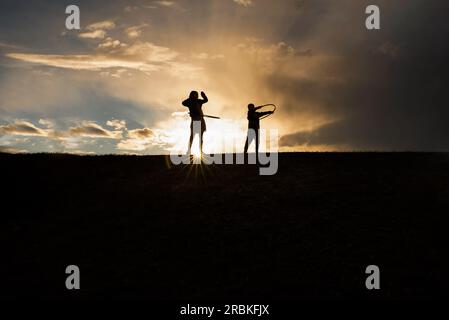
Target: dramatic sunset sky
x,y
116,85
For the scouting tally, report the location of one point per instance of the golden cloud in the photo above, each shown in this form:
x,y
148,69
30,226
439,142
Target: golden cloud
x,y
135,31
102,25
117,124
22,128
245,3
97,34
142,56
91,129
140,133
88,129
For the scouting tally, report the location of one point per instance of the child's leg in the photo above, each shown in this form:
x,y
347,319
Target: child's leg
x,y
192,134
250,138
201,141
201,133
257,141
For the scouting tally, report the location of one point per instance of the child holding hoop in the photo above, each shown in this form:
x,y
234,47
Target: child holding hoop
x,y
254,126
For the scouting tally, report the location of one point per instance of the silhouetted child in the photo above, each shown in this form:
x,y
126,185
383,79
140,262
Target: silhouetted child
x,y
197,125
254,126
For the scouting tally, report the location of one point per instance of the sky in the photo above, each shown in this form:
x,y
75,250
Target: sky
x,y
116,85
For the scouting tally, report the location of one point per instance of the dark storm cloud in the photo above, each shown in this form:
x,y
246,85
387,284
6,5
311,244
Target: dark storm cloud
x,y
386,89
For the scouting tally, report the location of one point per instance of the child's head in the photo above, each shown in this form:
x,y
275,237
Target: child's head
x,y
251,107
193,95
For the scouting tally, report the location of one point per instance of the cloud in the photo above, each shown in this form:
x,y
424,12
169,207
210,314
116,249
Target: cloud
x,y
207,56
134,144
334,82
165,3
71,143
93,130
140,133
102,25
82,152
180,114
117,124
183,70
47,123
84,62
110,44
4,149
22,128
258,47
96,34
323,135
89,129
22,135
128,9
245,3
381,91
143,139
115,73
7,45
138,140
142,56
135,31
97,30
150,52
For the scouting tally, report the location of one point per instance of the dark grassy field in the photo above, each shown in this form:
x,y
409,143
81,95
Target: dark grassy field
x,y
139,229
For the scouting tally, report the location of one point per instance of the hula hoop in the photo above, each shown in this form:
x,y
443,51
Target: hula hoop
x,y
266,105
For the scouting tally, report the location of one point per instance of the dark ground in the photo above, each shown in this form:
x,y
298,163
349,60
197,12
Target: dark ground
x,y
138,229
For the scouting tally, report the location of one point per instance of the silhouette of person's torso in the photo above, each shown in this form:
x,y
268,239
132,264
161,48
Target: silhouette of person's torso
x,y
195,108
253,119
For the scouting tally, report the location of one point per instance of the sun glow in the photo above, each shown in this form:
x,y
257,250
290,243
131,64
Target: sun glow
x,y
196,153
221,136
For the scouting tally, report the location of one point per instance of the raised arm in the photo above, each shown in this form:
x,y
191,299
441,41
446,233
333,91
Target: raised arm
x,y
204,97
261,114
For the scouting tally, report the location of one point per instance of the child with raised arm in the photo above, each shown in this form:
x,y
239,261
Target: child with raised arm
x,y
197,125
254,126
